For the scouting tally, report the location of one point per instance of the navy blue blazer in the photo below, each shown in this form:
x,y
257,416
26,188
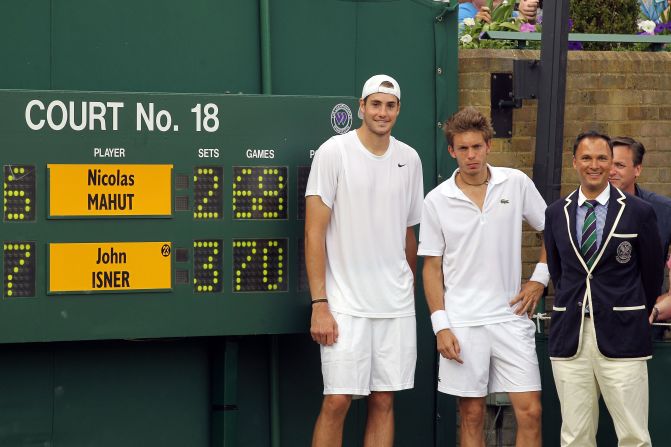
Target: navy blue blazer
x,y
621,287
662,207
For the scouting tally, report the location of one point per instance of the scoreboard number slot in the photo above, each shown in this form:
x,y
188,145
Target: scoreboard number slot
x,y
207,195
18,269
302,184
207,266
18,193
260,192
260,265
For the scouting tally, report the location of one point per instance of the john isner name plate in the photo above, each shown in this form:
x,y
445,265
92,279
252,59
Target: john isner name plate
x,y
109,266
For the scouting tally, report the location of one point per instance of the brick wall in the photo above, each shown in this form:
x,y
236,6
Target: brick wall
x,y
617,93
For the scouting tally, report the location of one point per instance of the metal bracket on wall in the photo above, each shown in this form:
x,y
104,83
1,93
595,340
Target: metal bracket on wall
x,y
507,90
502,104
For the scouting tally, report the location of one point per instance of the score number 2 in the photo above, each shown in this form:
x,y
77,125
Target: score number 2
x,y
206,117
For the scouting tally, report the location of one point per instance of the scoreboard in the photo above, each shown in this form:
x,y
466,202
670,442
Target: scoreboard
x,y
142,215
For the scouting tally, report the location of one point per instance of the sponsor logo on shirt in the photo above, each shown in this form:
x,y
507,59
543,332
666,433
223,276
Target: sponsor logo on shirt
x,y
505,201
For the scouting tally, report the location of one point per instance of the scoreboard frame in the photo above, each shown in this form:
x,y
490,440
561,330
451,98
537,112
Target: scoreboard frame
x,y
208,141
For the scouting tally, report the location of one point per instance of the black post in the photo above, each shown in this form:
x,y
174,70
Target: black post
x,y
551,97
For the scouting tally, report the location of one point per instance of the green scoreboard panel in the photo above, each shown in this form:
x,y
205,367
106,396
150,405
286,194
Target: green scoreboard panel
x,y
141,215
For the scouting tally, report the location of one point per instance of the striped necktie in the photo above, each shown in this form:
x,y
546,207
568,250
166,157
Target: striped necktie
x,y
588,246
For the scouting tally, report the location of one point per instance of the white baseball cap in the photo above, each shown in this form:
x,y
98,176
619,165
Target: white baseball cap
x,y
373,85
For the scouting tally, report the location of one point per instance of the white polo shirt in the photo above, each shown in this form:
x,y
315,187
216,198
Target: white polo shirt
x,y
481,250
373,200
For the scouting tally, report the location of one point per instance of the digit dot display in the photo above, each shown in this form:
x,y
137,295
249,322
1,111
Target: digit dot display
x,y
207,264
19,193
207,195
260,192
303,174
19,269
260,265
303,284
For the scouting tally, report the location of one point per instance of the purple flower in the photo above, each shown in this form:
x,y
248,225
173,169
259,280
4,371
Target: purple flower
x,y
527,28
575,46
570,24
539,18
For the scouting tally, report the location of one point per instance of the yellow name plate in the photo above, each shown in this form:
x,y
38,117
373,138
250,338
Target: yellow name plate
x,y
109,266
77,190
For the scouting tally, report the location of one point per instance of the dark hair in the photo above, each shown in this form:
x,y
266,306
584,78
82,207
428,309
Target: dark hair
x,y
637,148
466,120
592,134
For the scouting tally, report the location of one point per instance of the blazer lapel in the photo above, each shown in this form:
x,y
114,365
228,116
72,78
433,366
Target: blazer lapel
x,y
614,204
572,216
570,210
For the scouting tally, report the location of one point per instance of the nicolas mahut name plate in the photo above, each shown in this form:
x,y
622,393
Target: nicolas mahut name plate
x,y
92,190
109,266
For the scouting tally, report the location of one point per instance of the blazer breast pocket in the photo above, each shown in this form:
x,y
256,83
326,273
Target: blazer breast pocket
x,y
624,246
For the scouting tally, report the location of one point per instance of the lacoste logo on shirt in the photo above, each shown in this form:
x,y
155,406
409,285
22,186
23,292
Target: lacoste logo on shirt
x,y
401,165
505,201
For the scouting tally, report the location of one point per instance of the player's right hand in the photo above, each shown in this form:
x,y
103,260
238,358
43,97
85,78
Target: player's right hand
x,y
323,327
448,345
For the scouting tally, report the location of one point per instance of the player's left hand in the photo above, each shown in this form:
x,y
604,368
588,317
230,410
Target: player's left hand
x,y
526,300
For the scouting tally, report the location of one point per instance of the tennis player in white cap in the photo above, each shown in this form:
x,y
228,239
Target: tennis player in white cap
x,y
363,197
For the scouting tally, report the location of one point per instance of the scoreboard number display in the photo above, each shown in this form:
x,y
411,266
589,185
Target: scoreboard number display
x,y
19,193
207,265
207,192
259,265
19,269
260,192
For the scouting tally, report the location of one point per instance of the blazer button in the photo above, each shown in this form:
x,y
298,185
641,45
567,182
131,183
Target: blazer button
x,y
579,303
590,276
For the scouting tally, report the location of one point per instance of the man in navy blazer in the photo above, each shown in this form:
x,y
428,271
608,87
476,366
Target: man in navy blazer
x,y
605,260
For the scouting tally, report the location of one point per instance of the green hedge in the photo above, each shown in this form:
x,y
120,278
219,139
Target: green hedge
x,y
604,17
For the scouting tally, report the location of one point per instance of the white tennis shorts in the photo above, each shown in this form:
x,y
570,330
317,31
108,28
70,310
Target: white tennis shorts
x,y
372,354
498,358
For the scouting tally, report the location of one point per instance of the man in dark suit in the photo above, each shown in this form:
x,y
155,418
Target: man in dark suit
x,y
627,166
605,260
